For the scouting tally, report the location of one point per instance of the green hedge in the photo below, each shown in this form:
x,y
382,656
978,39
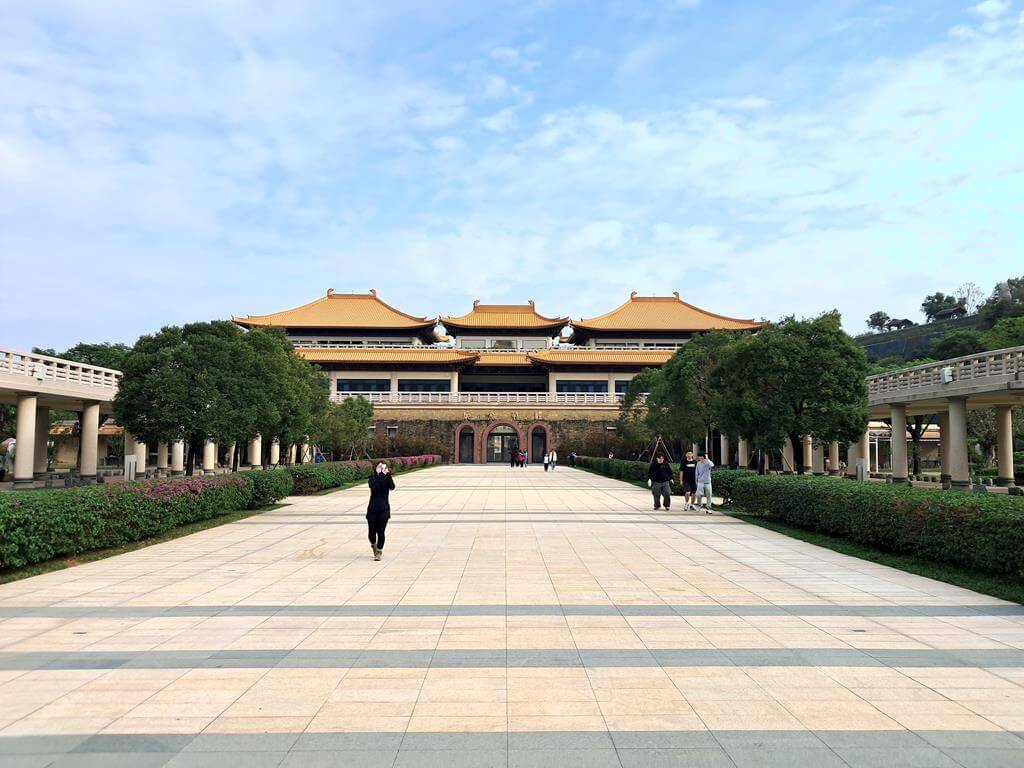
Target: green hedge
x,y
721,479
312,478
978,531
267,486
40,525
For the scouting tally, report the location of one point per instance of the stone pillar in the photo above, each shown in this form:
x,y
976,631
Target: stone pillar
x,y
898,442
818,459
394,383
39,462
552,384
256,452
808,453
743,452
177,458
209,457
788,463
141,452
304,452
89,440
229,459
275,452
25,448
292,451
852,454
723,448
864,450
161,459
833,457
959,467
454,378
1004,445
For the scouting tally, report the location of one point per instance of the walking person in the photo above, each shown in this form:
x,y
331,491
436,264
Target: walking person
x,y
547,461
554,459
703,473
378,511
688,479
659,478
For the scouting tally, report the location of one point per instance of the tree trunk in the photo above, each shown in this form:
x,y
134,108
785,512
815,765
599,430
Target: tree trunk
x,y
797,443
191,460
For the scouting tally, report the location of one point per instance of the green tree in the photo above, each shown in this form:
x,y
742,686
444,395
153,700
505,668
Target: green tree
x,y
937,302
345,428
956,344
1007,332
104,354
791,379
877,320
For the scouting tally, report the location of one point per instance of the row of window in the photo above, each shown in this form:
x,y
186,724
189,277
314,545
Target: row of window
x,y
575,386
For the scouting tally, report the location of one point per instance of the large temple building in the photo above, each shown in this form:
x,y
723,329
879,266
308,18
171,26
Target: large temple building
x,y
497,378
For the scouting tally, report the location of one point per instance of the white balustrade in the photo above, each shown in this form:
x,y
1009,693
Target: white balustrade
x,y
44,368
473,398
1004,364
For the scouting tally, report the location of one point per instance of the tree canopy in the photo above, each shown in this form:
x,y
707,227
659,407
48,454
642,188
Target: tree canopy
x,y
345,428
937,302
877,320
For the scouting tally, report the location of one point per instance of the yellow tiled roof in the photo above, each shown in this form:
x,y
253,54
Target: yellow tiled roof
x,y
663,313
340,310
602,356
507,316
503,358
413,355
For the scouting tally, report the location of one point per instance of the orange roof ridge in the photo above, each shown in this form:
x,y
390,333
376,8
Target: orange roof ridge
x,y
503,316
340,310
427,355
672,314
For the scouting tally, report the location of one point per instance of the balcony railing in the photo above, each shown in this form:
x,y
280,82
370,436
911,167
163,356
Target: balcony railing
x,y
475,398
44,368
1000,364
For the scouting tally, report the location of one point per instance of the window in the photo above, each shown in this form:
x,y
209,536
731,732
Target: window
x,y
621,386
583,386
424,385
535,344
393,431
472,343
503,343
364,385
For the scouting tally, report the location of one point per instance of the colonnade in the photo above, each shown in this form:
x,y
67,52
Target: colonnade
x,y
814,455
32,436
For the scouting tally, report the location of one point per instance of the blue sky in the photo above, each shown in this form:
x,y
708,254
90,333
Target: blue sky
x,y
168,162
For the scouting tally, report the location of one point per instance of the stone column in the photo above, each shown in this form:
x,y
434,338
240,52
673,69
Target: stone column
x,y
852,454
788,463
229,459
141,452
959,467
394,383
39,463
89,440
275,452
808,453
454,378
256,452
209,457
161,459
552,384
1004,445
177,458
943,421
898,442
864,450
817,459
292,451
833,457
743,452
304,452
723,448
25,448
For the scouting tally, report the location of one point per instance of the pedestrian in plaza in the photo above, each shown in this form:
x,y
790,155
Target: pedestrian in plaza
x,y
378,511
547,461
526,457
703,474
688,479
659,478
554,459
513,459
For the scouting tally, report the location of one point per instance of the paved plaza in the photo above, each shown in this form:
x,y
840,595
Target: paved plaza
x,y
518,618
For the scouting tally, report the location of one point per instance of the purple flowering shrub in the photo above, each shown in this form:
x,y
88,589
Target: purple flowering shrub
x,y
311,478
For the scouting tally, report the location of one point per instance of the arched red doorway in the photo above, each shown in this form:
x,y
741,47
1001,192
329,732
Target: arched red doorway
x,y
538,443
501,440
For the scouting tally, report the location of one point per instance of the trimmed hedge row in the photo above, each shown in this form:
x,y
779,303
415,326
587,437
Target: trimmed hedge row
x,y
312,478
979,531
721,479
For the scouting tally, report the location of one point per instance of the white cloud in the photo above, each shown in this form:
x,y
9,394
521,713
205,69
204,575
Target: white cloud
x,y
991,9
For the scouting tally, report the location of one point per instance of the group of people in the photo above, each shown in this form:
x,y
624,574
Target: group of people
x,y
520,458
694,476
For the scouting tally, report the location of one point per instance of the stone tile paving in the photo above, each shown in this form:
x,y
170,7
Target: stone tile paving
x,y
518,618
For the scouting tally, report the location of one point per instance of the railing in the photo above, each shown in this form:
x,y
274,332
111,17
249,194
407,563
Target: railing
x,y
326,344
44,368
472,398
1001,363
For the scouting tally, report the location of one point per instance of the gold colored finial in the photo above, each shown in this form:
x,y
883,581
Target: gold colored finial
x,y
330,291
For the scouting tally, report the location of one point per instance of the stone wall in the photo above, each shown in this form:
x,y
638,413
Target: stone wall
x,y
567,428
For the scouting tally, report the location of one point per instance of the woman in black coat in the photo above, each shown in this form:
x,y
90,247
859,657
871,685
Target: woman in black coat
x,y
378,511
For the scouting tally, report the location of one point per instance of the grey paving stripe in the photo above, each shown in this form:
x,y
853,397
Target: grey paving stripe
x,y
467,520
636,748
476,658
606,609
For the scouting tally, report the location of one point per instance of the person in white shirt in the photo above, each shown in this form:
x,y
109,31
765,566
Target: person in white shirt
x,y
703,473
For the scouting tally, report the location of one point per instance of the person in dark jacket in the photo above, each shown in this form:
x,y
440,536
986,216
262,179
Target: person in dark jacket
x,y
659,477
378,511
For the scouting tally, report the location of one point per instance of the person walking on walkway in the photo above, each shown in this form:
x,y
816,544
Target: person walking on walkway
x,y
703,473
547,461
378,511
659,478
554,459
688,479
